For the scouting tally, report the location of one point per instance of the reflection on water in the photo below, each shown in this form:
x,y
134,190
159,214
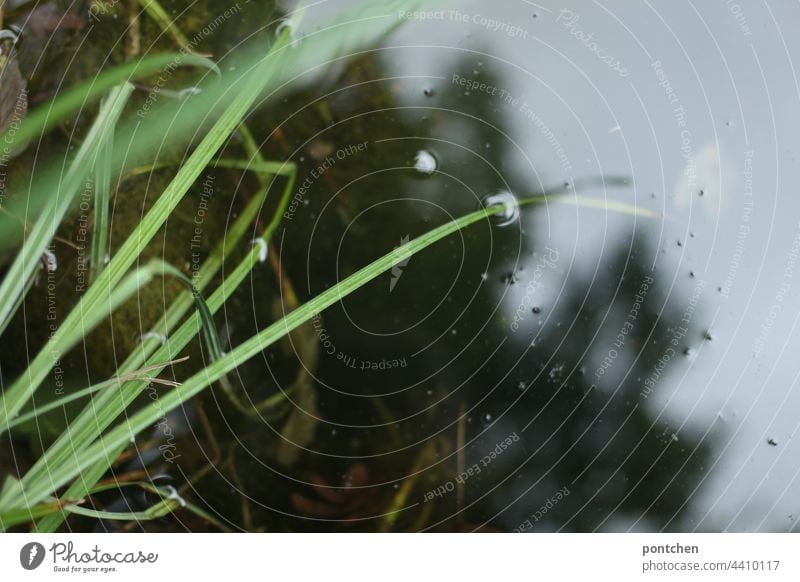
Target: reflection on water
x,y
621,363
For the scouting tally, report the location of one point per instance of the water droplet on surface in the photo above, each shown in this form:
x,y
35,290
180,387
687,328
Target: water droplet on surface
x,y
429,92
509,212
707,336
522,385
488,417
425,163
484,276
189,92
772,441
509,278
537,310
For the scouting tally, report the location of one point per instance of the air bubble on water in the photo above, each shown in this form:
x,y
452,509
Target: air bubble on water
x,y
429,92
772,441
425,162
189,92
509,212
688,352
509,278
707,335
537,310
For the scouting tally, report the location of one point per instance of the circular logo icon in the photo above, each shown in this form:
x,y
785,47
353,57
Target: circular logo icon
x,y
31,555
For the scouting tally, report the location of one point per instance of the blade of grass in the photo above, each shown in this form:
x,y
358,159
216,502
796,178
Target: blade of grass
x,y
102,192
160,16
117,381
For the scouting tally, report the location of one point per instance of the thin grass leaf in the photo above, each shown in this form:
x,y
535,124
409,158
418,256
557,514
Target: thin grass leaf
x,y
117,381
160,16
14,517
102,192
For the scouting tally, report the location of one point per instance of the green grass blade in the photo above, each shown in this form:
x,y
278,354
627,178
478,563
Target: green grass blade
x,y
160,16
102,192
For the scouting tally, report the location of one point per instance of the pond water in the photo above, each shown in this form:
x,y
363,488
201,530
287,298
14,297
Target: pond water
x,y
615,357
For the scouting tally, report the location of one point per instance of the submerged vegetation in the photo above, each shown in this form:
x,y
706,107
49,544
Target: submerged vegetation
x,y
128,160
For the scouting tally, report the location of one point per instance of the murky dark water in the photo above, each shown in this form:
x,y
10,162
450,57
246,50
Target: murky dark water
x,y
620,364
